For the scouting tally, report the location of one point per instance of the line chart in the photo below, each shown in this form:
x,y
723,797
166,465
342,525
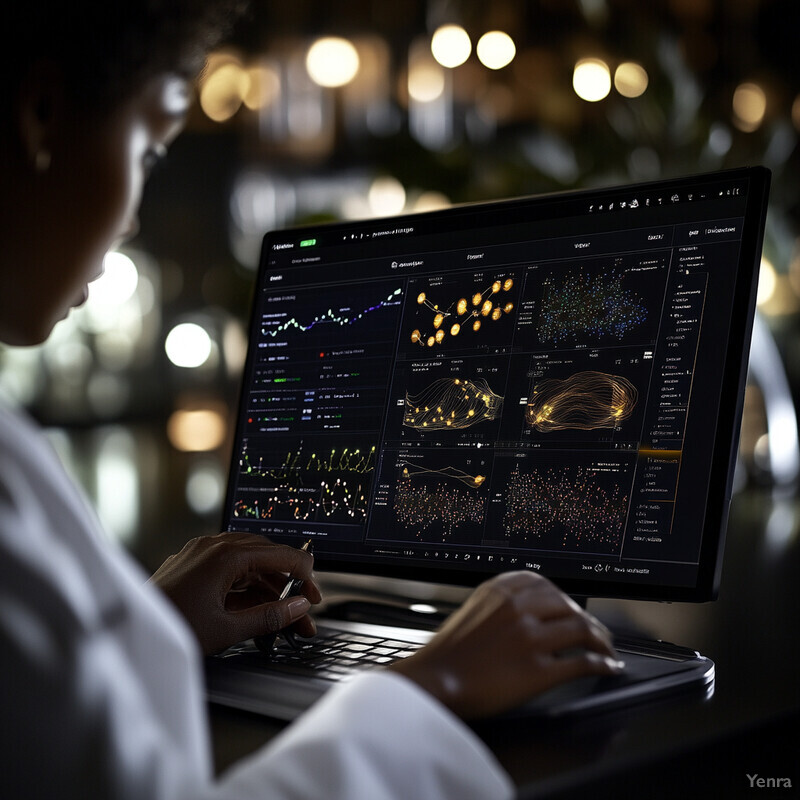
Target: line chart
x,y
343,316
473,481
295,462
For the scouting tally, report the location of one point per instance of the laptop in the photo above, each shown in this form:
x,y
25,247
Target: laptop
x,y
551,383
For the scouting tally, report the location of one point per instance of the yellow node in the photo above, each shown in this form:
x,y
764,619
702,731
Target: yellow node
x,y
431,341
508,308
476,299
461,308
476,325
437,320
455,329
495,287
421,298
508,284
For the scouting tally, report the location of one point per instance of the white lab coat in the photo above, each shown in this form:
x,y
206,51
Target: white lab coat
x,y
101,689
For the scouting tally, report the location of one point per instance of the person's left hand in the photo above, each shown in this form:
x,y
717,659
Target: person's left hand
x,y
227,588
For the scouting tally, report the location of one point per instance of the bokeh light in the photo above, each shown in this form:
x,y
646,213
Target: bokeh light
x,y
496,49
196,430
749,107
118,282
451,46
425,81
223,90
591,79
386,196
631,79
332,61
188,345
767,280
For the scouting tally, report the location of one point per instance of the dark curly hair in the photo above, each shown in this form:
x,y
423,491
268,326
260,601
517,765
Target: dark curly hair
x,y
108,49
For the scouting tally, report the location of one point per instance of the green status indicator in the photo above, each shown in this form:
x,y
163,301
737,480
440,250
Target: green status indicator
x,y
308,242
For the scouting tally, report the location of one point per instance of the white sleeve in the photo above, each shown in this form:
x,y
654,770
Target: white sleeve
x,y
377,737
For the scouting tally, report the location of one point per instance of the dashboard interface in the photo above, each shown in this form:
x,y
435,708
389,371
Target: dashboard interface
x,y
549,384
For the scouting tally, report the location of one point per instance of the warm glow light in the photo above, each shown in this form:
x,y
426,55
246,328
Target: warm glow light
x,y
451,46
749,106
263,88
425,82
591,79
796,112
630,79
496,49
222,91
117,283
430,201
196,431
386,197
188,345
332,61
766,282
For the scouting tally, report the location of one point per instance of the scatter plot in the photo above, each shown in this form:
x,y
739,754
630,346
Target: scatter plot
x,y
462,315
582,304
436,512
452,403
585,401
329,501
571,508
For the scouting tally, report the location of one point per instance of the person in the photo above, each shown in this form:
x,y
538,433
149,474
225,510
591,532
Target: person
x,y
101,676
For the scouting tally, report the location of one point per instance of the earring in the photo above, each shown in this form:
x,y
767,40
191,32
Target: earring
x,y
41,161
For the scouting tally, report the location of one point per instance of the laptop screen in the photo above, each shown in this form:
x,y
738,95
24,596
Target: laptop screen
x,y
550,383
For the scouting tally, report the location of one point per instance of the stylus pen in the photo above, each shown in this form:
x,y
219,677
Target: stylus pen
x,y
266,642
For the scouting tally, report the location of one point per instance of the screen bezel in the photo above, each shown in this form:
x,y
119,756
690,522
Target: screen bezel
x,y
726,438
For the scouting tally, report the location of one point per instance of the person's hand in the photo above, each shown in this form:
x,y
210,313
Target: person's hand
x,y
227,588
516,636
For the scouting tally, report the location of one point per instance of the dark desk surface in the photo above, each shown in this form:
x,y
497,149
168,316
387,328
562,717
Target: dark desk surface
x,y
688,743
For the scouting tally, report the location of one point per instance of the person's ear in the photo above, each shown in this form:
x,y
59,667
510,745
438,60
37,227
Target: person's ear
x,y
40,103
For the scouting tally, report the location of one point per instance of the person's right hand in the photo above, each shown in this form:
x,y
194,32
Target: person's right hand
x,y
516,636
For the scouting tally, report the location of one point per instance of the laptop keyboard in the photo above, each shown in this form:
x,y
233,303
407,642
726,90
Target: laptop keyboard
x,y
333,654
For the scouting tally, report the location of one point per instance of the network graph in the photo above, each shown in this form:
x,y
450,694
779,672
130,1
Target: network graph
x,y
588,304
470,314
571,507
585,401
452,403
441,509
342,315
